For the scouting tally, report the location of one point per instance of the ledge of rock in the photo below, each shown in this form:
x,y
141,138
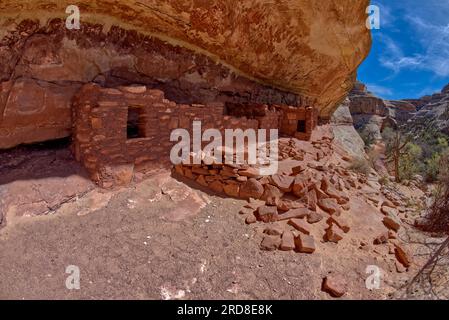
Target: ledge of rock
x,y
291,51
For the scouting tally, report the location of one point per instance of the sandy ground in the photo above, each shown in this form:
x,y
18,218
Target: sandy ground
x,y
158,239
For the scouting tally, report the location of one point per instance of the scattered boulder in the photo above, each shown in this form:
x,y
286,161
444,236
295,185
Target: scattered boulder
x,y
232,190
216,186
388,203
300,225
288,241
334,285
283,182
403,255
285,205
392,223
298,213
250,173
270,243
299,188
330,206
267,213
245,211
305,243
340,222
274,230
311,200
333,234
272,195
201,181
388,211
297,170
314,217
251,189
251,219
381,239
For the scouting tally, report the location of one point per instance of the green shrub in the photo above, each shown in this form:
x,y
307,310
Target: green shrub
x,y
410,163
360,165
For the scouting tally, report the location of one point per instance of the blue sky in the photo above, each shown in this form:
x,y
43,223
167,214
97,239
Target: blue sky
x,y
410,53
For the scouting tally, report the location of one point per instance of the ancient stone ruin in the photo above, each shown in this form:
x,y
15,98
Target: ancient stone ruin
x,y
117,131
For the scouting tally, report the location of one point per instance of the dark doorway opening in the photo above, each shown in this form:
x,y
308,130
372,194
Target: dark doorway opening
x,y
134,123
301,126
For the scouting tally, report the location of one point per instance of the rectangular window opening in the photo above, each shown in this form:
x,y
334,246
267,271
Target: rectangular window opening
x,y
301,126
134,123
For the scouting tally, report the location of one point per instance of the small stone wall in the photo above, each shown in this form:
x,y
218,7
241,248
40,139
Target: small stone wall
x,y
290,118
100,117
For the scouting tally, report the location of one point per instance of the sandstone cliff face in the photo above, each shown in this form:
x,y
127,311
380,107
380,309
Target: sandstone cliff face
x,y
293,52
344,131
433,112
371,113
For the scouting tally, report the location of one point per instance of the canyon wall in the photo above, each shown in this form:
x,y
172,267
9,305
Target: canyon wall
x,y
297,53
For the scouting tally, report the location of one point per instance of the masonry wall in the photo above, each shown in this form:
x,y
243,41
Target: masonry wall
x,y
100,116
289,121
100,130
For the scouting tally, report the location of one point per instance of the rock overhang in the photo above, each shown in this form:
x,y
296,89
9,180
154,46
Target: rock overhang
x,y
304,47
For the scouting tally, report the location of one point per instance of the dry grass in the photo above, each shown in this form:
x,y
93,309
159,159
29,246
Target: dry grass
x,y
360,165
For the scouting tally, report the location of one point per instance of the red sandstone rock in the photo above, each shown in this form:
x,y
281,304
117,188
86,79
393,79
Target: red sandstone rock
x,y
288,241
305,243
297,169
254,203
334,285
300,225
332,192
340,222
270,243
251,189
285,205
333,234
242,179
391,223
299,186
283,182
216,186
250,173
188,174
201,181
311,200
388,211
403,255
244,211
200,171
271,195
251,219
314,217
381,239
274,230
267,213
319,193
232,190
179,169
388,203
298,213
330,206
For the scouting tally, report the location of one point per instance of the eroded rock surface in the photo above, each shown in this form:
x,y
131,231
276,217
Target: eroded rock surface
x,y
291,52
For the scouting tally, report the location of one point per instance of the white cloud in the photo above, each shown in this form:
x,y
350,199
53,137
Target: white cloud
x,y
394,59
435,38
379,90
432,34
